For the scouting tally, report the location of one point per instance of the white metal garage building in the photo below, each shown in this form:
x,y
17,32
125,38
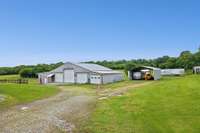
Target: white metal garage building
x,y
139,73
196,70
80,73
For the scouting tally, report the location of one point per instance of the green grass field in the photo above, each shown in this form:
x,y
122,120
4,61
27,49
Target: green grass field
x,y
31,80
171,105
23,93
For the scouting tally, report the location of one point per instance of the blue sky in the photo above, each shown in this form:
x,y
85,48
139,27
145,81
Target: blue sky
x,y
48,31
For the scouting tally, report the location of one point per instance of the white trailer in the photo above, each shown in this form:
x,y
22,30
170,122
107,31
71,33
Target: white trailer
x,y
171,72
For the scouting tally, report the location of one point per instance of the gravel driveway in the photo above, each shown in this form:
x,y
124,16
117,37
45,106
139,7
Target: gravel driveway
x,y
63,113
60,113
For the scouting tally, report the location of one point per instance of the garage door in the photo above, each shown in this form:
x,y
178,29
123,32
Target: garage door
x,y
95,79
82,78
59,77
69,76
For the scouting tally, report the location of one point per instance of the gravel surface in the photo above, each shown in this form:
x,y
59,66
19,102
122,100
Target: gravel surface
x,y
55,114
63,113
2,98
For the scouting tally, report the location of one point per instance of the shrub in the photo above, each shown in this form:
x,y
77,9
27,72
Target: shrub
x,y
27,73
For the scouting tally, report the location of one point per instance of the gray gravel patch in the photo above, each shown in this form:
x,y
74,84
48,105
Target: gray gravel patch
x,y
2,98
45,116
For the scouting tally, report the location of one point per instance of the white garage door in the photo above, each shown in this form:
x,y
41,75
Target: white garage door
x,y
59,77
69,76
82,78
95,79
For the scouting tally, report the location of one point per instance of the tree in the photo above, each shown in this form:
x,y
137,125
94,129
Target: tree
x,y
186,60
159,62
27,73
199,48
131,66
197,59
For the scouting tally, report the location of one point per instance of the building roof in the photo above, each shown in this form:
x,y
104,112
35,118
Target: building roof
x,y
97,68
93,67
90,67
196,67
152,68
145,68
108,72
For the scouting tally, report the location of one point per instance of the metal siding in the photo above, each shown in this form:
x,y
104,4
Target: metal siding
x,y
59,77
45,81
112,78
69,76
157,74
82,78
196,70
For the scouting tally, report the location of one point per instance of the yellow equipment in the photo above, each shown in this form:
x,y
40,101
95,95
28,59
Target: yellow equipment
x,y
148,76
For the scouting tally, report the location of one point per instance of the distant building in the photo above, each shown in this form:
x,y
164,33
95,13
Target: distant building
x,y
80,73
168,72
196,70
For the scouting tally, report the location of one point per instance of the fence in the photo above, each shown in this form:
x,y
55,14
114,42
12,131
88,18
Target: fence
x,y
16,81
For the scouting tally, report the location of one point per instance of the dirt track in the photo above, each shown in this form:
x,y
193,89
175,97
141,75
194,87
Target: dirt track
x,y
107,93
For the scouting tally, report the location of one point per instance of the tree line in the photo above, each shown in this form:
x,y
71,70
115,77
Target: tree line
x,y
186,60
29,71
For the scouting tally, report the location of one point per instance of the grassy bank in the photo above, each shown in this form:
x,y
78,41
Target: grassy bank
x,y
14,94
168,106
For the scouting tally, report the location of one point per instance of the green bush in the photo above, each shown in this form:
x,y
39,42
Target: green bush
x,y
27,73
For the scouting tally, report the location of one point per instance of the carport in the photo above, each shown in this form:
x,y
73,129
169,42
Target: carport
x,y
144,73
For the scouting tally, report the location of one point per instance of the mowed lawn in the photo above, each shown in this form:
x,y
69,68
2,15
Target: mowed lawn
x,y
23,93
171,105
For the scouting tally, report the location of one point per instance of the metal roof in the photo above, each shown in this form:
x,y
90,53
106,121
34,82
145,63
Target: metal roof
x,y
109,72
196,67
97,68
93,67
88,66
50,75
152,68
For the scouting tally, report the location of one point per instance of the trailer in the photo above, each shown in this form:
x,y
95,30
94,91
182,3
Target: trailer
x,y
172,72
